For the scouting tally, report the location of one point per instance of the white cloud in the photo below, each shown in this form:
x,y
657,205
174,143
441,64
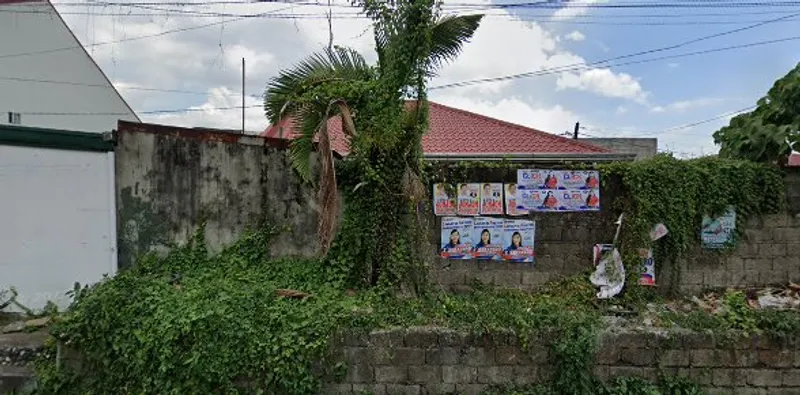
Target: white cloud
x,y
553,119
575,36
603,82
221,110
571,11
621,110
673,65
687,105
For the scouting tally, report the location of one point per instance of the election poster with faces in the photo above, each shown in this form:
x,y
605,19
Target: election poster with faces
x,y
489,243
558,190
444,200
456,238
492,199
469,199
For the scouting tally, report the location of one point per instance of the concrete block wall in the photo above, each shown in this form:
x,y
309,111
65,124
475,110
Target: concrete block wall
x,y
438,361
767,254
171,179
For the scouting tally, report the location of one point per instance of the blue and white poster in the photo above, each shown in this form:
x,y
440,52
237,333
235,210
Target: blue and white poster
x,y
489,238
718,232
456,238
518,243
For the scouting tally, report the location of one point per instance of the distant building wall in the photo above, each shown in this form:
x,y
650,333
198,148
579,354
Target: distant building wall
x,y
48,78
642,147
57,213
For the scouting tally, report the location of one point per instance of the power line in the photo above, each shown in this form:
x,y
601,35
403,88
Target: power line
x,y
645,52
559,70
151,112
704,121
147,36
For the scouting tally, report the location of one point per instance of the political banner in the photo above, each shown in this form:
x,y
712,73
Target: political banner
x,y
492,199
648,267
718,232
455,238
558,190
444,200
518,242
512,200
469,199
489,243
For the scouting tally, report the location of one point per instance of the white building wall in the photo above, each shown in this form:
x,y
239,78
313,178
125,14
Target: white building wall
x,y
57,221
36,44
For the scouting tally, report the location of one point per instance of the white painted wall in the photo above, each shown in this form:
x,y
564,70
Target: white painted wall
x,y
57,221
31,27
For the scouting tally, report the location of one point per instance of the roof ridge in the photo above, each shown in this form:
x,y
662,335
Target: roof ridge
x,y
520,127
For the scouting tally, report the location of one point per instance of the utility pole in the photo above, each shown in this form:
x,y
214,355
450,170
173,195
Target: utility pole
x,y
575,133
243,96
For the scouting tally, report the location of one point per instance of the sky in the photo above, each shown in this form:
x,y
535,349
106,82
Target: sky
x,y
681,99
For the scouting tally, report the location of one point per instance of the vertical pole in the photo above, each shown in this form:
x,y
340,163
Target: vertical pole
x,y
243,96
575,134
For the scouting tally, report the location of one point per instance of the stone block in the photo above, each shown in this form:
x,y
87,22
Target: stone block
x,y
764,377
450,277
508,278
786,235
751,278
728,378
535,278
705,358
695,340
776,358
358,355
438,389
526,374
486,277
391,374
337,389
425,374
372,389
772,250
758,264
442,356
477,356
421,338
359,373
495,374
747,250
757,235
674,358
470,389
459,374
403,389
717,278
791,378
399,356
508,355
793,248
734,263
637,356
601,372
448,338
537,354
631,371
355,340
744,358
387,338
774,276
701,376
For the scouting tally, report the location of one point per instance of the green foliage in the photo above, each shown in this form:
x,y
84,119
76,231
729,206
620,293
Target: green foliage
x,y
772,130
678,193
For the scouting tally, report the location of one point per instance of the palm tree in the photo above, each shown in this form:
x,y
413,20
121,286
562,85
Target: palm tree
x,y
412,43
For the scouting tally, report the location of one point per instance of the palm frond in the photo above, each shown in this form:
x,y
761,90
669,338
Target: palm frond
x,y
338,63
449,34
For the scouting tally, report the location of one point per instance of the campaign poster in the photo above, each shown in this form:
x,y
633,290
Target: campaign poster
x,y
518,241
558,190
456,238
492,199
469,199
538,179
489,234
648,267
718,232
444,200
513,203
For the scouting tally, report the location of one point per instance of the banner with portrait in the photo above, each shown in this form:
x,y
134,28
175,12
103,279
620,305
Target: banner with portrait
x,y
456,242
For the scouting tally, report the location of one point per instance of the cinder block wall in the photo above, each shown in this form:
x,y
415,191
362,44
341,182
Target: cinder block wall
x,y
768,253
438,361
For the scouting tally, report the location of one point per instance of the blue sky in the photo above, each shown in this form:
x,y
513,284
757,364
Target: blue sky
x,y
634,100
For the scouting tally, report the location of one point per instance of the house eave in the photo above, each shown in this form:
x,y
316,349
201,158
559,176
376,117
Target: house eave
x,y
533,157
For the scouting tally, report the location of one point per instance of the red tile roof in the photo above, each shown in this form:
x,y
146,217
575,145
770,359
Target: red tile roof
x,y
454,131
794,160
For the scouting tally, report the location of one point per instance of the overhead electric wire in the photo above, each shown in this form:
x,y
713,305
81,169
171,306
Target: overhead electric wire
x,y
151,112
696,123
580,66
122,40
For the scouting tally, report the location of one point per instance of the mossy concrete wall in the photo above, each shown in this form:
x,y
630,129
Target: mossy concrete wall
x,y
170,180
